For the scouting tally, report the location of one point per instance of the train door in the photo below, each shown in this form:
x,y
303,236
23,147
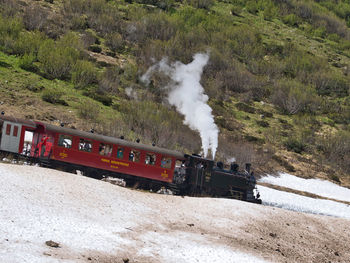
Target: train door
x,y
10,136
42,145
28,142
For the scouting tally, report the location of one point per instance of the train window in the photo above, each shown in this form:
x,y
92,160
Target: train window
x,y
105,149
134,156
165,162
85,145
120,153
15,131
65,141
8,129
150,159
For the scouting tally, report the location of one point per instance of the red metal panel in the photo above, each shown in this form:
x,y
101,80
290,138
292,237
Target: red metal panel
x,y
113,164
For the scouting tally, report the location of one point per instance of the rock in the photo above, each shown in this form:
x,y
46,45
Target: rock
x,y
51,243
273,235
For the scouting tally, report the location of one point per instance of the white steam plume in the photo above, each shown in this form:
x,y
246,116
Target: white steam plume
x,y
187,95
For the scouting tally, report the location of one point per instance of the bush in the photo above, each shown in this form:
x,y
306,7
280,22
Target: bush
x,y
252,7
26,62
53,97
115,42
105,99
154,122
294,145
83,74
58,58
35,18
95,48
284,163
263,123
292,97
89,111
204,4
245,107
110,80
291,20
29,43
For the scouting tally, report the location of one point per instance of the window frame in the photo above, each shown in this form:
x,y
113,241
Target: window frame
x,y
137,157
123,150
166,158
8,129
61,145
151,155
15,131
84,149
106,146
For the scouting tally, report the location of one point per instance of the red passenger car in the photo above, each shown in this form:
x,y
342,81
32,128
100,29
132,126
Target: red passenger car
x,y
95,155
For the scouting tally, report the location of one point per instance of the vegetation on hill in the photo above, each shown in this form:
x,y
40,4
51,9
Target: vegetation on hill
x,y
278,76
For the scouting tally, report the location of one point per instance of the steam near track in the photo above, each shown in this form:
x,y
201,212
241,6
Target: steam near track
x,y
187,94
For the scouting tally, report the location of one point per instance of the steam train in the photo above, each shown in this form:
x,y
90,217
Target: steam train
x,y
100,156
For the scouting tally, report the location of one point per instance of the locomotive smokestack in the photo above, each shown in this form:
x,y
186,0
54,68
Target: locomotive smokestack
x,y
247,167
234,167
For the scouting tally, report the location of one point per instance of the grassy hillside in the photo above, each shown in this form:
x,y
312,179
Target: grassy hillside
x,y
278,75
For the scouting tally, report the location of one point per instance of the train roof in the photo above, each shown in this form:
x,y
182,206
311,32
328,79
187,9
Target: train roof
x,y
112,140
29,123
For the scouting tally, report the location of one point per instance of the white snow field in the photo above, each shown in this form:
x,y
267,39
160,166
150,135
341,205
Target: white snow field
x,y
95,221
314,186
299,203
88,216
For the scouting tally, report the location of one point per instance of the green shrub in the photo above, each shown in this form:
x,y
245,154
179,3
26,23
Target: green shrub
x,y
252,7
284,163
105,99
115,42
26,62
53,97
89,111
236,10
95,48
3,64
291,20
334,178
29,43
294,145
334,37
320,32
83,74
251,138
270,11
245,107
58,58
263,123
204,4
292,97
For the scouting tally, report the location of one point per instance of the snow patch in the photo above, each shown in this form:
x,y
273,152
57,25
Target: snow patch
x,y
294,202
314,186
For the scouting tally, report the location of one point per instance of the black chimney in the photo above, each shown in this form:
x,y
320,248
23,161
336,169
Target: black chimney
x,y
247,167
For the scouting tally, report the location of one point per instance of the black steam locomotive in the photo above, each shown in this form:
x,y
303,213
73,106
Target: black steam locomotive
x,y
199,176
